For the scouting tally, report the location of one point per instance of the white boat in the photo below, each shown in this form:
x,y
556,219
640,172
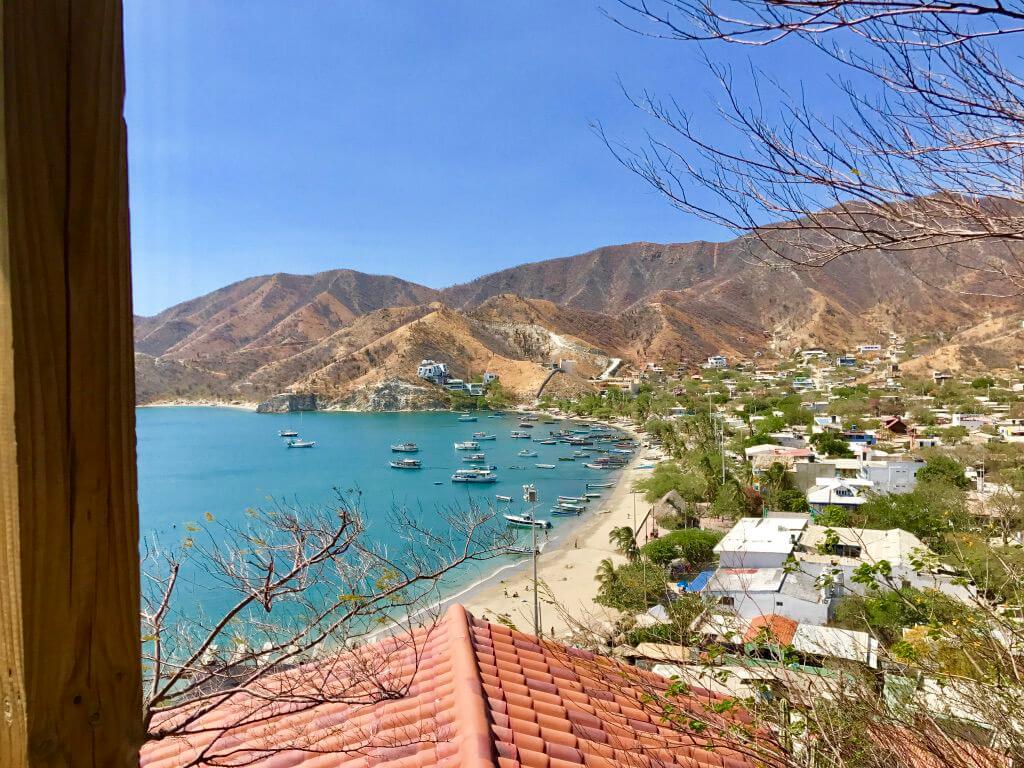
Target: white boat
x,y
467,417
573,499
525,550
467,445
600,485
544,466
301,443
571,507
565,511
406,464
592,495
519,435
475,458
499,497
527,453
287,433
597,466
474,476
527,521
484,436
405,448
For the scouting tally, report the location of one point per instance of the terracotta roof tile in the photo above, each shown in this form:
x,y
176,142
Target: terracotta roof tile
x,y
778,629
479,695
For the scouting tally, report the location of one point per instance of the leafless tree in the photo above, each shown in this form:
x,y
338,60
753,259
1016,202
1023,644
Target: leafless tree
x,y
926,164
294,597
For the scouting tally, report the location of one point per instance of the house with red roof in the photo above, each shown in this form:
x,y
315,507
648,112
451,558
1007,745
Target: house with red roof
x,y
468,694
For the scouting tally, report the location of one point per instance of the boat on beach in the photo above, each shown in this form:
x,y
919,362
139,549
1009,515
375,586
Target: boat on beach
x,y
406,464
467,445
296,443
405,448
527,521
476,475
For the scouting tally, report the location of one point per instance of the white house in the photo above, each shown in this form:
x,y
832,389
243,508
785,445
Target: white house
x,y
1012,430
760,542
839,492
750,592
432,371
717,361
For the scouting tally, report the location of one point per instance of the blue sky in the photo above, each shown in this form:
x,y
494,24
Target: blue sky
x,y
436,141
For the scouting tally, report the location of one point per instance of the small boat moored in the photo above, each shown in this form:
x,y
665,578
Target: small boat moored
x,y
405,448
406,464
296,443
527,521
475,458
474,476
499,497
467,417
484,436
544,466
527,453
287,433
467,445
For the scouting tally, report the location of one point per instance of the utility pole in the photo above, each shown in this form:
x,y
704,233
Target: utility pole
x,y
530,497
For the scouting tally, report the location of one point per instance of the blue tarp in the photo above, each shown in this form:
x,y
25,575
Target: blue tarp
x,y
698,583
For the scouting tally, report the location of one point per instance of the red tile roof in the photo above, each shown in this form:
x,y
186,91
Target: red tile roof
x,y
481,695
777,628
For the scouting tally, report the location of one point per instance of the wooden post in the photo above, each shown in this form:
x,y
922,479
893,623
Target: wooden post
x,y
70,675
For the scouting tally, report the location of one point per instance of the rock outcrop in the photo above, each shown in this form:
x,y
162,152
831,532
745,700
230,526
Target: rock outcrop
x,y
288,402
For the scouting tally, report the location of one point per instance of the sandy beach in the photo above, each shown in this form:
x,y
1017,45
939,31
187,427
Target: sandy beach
x,y
567,567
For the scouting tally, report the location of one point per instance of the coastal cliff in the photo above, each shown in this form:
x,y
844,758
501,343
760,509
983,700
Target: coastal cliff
x,y
288,402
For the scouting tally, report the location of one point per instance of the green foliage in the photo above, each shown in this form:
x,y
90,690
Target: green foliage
x,y
694,545
944,469
930,512
632,588
625,541
671,476
676,631
836,517
790,500
983,382
832,445
887,613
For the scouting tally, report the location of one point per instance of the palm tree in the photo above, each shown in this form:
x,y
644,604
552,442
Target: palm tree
x,y
625,541
605,573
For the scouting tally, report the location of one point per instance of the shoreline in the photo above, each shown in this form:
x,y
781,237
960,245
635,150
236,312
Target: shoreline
x,y
568,572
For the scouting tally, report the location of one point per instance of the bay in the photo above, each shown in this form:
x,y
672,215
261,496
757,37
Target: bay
x,y
197,462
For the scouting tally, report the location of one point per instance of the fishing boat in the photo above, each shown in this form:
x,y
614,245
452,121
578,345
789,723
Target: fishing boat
x,y
499,497
476,475
405,448
475,458
406,464
592,496
548,441
525,425
600,485
526,453
544,466
590,465
571,507
467,445
525,550
495,415
516,435
287,433
467,417
484,436
575,499
565,512
580,454
296,443
527,521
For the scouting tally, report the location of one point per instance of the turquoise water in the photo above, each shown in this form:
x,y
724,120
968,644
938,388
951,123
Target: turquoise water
x,y
224,461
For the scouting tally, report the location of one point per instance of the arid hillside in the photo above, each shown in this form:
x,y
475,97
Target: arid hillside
x,y
356,339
